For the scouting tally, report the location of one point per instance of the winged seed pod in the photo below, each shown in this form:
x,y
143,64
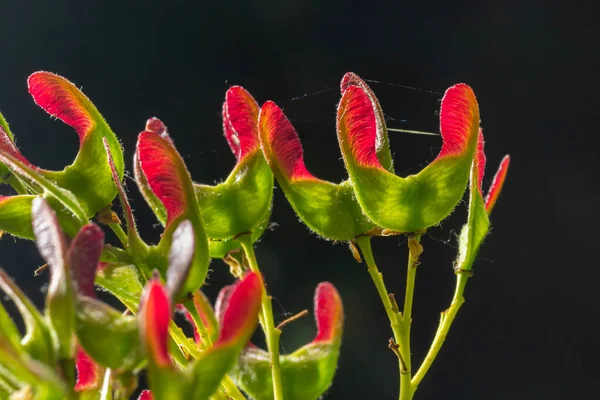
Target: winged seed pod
x,y
329,209
242,203
84,187
418,201
164,174
308,372
203,376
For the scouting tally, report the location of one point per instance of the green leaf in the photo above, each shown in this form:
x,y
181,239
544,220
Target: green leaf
x,y
37,340
123,281
478,223
418,201
60,299
9,331
474,231
43,382
15,215
35,177
107,336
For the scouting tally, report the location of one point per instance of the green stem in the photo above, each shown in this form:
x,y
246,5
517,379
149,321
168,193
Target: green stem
x,y
414,251
106,391
364,244
228,385
182,341
271,332
121,235
446,319
16,184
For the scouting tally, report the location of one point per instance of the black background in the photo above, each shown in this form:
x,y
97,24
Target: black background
x,y
529,328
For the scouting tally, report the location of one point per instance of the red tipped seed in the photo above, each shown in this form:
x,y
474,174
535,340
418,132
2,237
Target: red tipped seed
x,y
284,147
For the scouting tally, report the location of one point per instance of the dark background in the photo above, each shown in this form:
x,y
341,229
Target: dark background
x,y
529,328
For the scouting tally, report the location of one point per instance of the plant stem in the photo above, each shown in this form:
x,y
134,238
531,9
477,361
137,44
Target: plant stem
x,y
414,251
228,385
364,244
106,391
271,332
16,184
121,235
446,319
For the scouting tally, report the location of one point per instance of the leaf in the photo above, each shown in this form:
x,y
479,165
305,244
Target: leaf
x,y
15,215
97,321
37,340
181,254
243,202
34,176
123,280
84,256
89,177
497,184
60,299
89,374
329,209
7,143
478,223
382,142
418,201
205,311
41,379
9,331
169,180
145,395
154,318
308,372
238,323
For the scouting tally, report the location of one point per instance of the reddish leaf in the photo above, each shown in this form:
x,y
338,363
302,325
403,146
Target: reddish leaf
x,y
241,311
7,145
155,125
154,317
180,257
282,146
223,301
61,99
84,257
457,114
480,159
145,395
189,319
240,113
51,241
164,171
497,183
329,313
382,142
88,372
360,126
